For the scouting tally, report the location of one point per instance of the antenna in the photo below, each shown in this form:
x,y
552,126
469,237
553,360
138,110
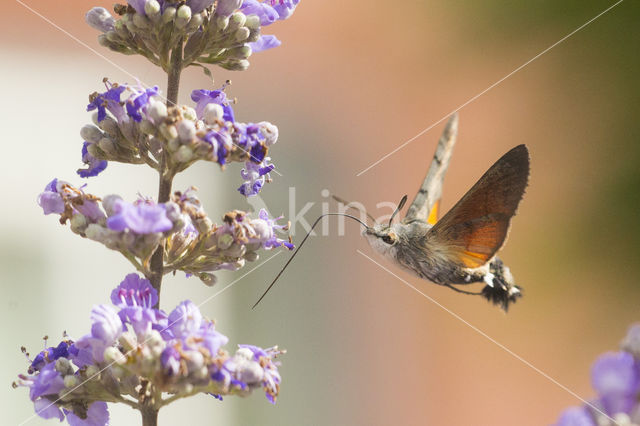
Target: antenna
x,y
400,206
349,206
300,246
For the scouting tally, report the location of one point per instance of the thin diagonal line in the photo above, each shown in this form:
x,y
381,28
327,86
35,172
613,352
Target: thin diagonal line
x,y
145,341
500,345
82,43
422,132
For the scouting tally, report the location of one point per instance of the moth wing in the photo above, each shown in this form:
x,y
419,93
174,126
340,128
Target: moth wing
x,y
476,227
425,205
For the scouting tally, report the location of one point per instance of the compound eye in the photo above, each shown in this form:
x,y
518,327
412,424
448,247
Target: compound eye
x,y
388,239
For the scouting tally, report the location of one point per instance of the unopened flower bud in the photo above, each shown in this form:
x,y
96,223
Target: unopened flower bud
x,y
270,132
208,279
78,223
147,127
212,113
94,150
244,354
225,241
242,34
186,130
237,20
109,202
95,232
112,36
249,372
90,133
189,113
235,64
153,340
152,9
222,22
168,15
128,340
100,19
236,250
107,145
110,126
194,23
203,225
169,132
173,145
157,111
92,371
141,21
63,366
184,154
113,355
241,52
173,211
183,16
70,381
253,22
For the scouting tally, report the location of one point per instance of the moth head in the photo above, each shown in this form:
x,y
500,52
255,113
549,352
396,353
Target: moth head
x,y
382,238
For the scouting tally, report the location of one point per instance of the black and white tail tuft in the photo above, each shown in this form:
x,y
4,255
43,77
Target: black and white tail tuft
x,y
500,289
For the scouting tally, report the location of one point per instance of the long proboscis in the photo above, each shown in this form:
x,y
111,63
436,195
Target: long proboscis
x,y
300,246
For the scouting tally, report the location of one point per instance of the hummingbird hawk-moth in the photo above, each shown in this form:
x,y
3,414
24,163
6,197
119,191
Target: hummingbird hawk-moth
x,y
459,248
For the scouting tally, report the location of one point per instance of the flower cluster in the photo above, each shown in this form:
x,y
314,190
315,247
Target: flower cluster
x,y
194,244
203,247
135,353
224,33
134,349
615,376
133,125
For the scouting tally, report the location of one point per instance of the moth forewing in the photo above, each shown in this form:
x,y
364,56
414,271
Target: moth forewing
x,y
425,204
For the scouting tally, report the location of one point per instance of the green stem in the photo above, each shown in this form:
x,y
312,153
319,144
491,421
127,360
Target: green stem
x,y
166,175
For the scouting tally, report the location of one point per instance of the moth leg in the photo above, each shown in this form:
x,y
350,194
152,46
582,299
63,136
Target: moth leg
x,y
463,291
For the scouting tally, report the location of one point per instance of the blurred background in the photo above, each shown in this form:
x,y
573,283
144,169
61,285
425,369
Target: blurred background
x,y
351,82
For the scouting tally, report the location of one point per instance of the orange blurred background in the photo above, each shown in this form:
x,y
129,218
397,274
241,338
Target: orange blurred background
x,y
350,83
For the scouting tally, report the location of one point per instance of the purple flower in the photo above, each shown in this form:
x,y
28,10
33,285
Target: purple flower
x,y
139,5
576,416
139,101
185,320
134,291
61,198
187,325
47,382
221,144
204,97
96,166
49,355
108,101
106,324
100,19
170,360
264,11
285,8
265,231
50,200
144,217
254,176
136,298
264,42
227,7
270,376
198,6
97,415
615,377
